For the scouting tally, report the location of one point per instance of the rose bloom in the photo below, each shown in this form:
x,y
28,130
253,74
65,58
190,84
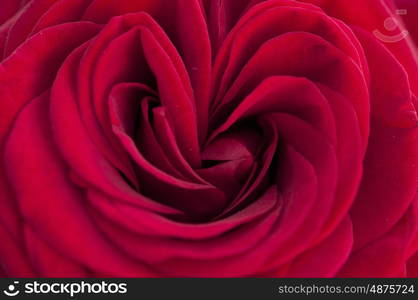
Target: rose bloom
x,y
208,138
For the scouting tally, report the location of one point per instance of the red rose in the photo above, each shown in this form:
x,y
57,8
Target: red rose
x,y
208,138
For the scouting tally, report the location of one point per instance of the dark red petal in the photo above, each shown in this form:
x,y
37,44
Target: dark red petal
x,y
194,47
9,8
386,256
390,177
43,257
411,16
23,76
56,211
14,260
412,267
325,259
76,146
23,26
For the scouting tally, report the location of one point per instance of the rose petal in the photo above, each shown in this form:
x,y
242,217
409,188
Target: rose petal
x,y
325,259
385,256
82,241
389,181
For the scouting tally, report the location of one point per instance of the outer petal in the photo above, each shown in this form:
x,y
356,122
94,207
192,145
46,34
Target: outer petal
x,y
325,259
23,76
390,176
412,266
387,256
56,212
411,17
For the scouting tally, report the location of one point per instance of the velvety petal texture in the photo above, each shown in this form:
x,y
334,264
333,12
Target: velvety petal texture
x,y
208,138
